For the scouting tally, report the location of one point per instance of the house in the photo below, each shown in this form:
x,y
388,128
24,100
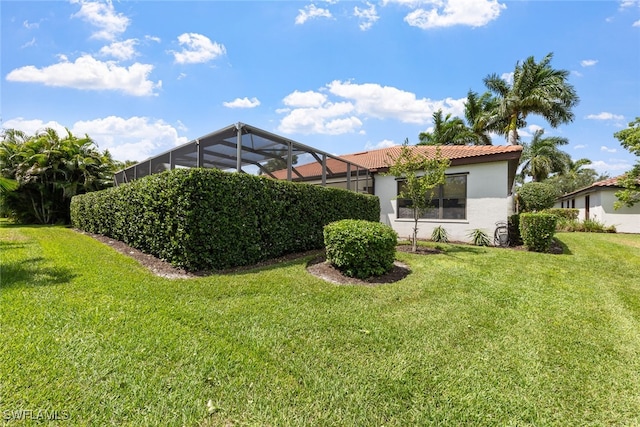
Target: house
x,y
596,203
477,193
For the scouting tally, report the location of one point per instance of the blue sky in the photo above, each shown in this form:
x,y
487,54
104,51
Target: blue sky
x,y
342,76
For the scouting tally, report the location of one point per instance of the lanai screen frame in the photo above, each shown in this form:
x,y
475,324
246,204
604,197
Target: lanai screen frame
x,y
241,146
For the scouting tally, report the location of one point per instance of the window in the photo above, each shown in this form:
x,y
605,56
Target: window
x,y
449,200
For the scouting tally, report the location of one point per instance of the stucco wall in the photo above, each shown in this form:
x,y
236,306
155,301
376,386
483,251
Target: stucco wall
x,y
488,201
601,202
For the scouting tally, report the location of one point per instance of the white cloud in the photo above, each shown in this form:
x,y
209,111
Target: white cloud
x,y
30,43
612,165
608,150
529,131
367,16
507,77
135,138
311,12
588,62
305,99
579,147
636,24
197,49
473,13
313,112
103,16
330,118
605,116
88,73
33,126
409,3
385,102
121,50
31,25
242,103
629,3
152,39
385,143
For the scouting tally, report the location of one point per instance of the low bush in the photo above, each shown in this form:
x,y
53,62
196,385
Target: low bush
x,y
360,248
206,219
588,226
440,235
479,237
563,213
537,230
535,196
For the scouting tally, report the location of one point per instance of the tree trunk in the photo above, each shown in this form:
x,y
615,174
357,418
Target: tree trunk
x,y
414,239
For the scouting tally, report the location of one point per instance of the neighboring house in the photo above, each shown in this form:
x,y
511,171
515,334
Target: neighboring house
x,y
477,193
596,203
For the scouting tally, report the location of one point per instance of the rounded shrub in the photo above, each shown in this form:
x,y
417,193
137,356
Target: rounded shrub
x,y
537,230
360,248
536,196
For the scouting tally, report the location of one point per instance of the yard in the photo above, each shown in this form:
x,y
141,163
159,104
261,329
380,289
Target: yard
x,y
473,336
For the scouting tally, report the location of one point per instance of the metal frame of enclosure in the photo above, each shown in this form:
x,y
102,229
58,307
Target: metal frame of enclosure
x,y
246,149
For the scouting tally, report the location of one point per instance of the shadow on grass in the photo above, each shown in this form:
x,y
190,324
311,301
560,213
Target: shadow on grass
x,y
27,273
271,264
14,244
562,245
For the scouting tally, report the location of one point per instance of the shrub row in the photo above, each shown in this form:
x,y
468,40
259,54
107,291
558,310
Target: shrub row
x,y
206,219
360,248
563,213
537,230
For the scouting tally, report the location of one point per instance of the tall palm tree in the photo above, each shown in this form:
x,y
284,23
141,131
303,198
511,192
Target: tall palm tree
x,y
537,88
447,131
478,112
542,157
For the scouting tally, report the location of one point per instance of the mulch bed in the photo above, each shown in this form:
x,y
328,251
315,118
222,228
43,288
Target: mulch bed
x,y
317,267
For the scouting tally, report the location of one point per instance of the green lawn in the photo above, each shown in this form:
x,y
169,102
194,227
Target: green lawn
x,y
474,336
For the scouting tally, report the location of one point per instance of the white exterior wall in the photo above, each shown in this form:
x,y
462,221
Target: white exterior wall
x,y
488,201
601,201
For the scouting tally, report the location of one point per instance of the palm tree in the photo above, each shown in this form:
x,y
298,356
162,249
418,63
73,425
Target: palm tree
x,y
542,157
49,171
536,89
478,111
447,131
575,177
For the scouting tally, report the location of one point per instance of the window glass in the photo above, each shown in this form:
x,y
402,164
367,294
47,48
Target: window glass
x,y
449,200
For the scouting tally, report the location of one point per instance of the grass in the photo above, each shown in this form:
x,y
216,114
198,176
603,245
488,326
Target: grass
x,y
474,336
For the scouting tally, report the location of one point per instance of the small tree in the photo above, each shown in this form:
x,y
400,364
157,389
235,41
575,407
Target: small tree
x,y
421,175
630,139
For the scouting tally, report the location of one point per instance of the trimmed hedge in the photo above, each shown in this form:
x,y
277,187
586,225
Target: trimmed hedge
x,y
206,219
536,196
360,248
537,230
567,214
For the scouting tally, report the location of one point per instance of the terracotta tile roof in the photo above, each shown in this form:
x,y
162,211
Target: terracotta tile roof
x,y
379,160
460,154
611,182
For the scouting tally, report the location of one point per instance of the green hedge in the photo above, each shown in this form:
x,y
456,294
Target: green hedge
x,y
535,196
206,219
566,214
537,230
360,248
